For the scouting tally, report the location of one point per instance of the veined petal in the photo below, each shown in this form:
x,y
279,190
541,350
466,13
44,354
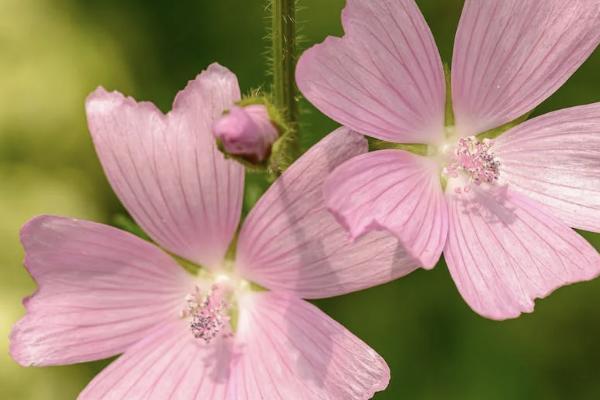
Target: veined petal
x,y
168,364
290,242
555,159
284,348
384,77
99,290
393,190
505,250
292,350
167,170
510,55
134,373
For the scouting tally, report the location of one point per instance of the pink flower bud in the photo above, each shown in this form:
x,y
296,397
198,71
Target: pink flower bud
x,y
246,132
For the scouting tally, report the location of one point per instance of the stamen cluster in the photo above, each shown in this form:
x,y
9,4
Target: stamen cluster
x,y
475,159
208,314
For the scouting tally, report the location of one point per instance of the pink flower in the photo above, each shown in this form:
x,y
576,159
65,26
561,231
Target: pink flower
x,y
213,335
500,209
246,131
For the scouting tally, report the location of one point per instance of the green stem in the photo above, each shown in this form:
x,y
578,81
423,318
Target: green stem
x,y
283,35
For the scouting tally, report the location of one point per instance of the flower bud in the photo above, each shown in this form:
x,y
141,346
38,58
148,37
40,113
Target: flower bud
x,y
246,132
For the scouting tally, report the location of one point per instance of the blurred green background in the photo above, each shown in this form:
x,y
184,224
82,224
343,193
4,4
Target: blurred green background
x,y
54,52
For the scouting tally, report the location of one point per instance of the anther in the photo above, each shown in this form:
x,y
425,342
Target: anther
x,y
209,317
474,159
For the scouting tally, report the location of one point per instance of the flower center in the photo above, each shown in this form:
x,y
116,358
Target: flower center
x,y
208,312
474,160
211,309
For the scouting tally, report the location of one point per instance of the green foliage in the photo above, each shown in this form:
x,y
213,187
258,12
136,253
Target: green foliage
x,y
188,265
415,148
494,133
125,223
449,111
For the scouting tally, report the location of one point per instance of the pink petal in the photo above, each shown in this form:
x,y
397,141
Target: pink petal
x,y
284,349
384,77
555,159
505,250
510,55
393,190
167,170
167,364
292,350
100,290
290,242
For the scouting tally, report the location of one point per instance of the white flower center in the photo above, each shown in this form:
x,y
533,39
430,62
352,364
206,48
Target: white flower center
x,y
472,159
208,313
211,309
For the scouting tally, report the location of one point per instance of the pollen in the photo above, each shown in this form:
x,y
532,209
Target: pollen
x,y
475,160
208,314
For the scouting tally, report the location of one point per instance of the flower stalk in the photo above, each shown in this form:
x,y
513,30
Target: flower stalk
x,y
284,95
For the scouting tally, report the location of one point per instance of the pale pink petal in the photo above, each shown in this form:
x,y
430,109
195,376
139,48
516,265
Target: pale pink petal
x,y
555,159
290,242
292,350
100,290
505,250
167,170
284,348
396,191
168,364
510,55
384,77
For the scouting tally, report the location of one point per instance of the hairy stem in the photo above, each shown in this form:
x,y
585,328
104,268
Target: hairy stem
x,y
283,36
